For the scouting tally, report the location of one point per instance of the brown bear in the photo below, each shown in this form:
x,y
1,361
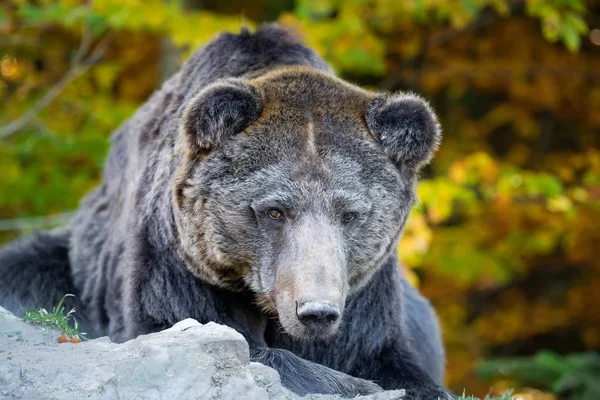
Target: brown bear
x,y
256,190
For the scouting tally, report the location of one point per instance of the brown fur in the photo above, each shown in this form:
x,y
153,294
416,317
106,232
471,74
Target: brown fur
x,y
287,90
295,93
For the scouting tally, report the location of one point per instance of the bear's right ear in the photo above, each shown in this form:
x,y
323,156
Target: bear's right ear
x,y
220,111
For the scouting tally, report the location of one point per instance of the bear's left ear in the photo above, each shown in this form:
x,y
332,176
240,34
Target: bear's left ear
x,y
406,127
218,112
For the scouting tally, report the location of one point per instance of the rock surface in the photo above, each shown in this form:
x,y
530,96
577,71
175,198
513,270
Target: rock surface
x,y
187,361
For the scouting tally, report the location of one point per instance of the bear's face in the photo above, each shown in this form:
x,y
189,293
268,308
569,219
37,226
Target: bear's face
x,y
297,186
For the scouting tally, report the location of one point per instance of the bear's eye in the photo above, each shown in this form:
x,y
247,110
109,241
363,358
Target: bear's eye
x,y
349,216
273,213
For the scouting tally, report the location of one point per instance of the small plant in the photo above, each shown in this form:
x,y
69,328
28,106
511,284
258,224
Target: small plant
x,y
505,396
56,320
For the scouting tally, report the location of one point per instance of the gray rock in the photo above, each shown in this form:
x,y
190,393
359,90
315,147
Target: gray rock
x,y
187,361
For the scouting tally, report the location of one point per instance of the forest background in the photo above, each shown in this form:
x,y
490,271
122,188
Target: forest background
x,y
505,240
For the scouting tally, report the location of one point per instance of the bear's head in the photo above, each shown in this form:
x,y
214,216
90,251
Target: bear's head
x,y
296,186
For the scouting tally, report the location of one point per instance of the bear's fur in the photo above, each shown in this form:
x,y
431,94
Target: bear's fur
x,y
256,190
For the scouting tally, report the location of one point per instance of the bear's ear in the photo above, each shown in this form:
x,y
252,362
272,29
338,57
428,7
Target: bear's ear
x,y
220,111
406,127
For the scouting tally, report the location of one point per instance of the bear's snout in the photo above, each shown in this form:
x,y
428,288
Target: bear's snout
x,y
317,316
310,319
311,282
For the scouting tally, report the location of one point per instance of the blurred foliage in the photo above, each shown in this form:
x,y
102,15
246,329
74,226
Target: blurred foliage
x,y
575,375
505,238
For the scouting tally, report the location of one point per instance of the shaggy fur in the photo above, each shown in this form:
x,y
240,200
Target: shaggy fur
x,y
252,182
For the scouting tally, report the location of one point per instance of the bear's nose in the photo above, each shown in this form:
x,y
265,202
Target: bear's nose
x,y
315,314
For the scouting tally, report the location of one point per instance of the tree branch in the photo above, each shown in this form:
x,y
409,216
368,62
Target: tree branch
x,y
78,66
19,224
488,17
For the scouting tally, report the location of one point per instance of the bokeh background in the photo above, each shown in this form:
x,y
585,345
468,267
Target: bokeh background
x,y
506,238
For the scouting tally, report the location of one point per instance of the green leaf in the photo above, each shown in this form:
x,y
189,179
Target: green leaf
x,y
96,23
420,10
571,38
31,14
55,12
471,7
563,383
577,5
576,22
